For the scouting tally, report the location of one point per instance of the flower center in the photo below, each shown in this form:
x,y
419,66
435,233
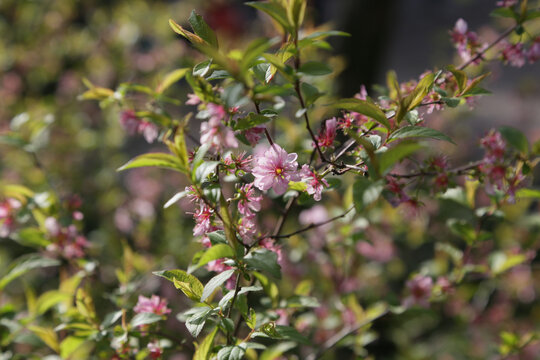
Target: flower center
x,y
279,171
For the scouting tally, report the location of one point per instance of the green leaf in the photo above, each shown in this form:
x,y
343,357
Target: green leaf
x,y
363,107
290,333
460,76
505,12
264,260
515,138
366,192
275,352
202,68
254,50
297,301
295,12
204,170
32,237
188,284
218,251
451,101
201,28
70,345
231,353
111,319
51,298
250,121
216,282
416,96
419,131
225,299
47,335
315,68
204,349
175,198
310,92
161,160
193,38
397,153
170,79
23,265
501,262
145,319
195,323
275,10
463,229
528,193
217,237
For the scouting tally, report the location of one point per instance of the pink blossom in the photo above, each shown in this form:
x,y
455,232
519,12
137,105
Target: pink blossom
x,y
238,163
315,183
129,121
203,219
248,202
214,132
534,51
362,94
66,241
420,291
495,147
217,265
154,305
513,54
466,42
7,216
327,135
193,99
149,130
135,125
253,135
247,228
155,350
274,169
271,245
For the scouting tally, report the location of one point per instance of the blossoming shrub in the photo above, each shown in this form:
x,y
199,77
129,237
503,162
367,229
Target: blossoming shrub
x,y
319,219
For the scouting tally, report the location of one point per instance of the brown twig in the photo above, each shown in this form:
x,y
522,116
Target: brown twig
x,y
312,226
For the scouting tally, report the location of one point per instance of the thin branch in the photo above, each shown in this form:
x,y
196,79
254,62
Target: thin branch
x,y
283,217
481,53
312,226
266,133
457,171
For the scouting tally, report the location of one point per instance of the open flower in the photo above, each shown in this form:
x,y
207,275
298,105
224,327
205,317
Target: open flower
x,y
248,201
274,168
314,182
214,132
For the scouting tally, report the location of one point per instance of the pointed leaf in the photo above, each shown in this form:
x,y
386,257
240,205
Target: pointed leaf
x,y
218,251
419,131
188,284
216,282
161,160
363,107
201,28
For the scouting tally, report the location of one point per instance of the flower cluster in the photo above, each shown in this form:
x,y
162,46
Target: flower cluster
x,y
466,42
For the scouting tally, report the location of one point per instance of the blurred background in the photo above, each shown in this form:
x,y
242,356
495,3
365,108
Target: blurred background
x,y
47,47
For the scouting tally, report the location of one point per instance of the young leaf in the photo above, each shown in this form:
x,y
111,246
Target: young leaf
x,y
231,353
24,264
161,160
250,121
275,10
145,319
175,198
201,28
264,260
195,323
363,107
315,68
228,297
419,131
218,251
170,79
216,282
204,349
460,76
194,39
188,284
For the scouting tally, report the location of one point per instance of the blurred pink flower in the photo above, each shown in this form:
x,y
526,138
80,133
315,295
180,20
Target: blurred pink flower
x,y
274,169
214,132
420,291
253,135
513,54
154,305
327,134
203,219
